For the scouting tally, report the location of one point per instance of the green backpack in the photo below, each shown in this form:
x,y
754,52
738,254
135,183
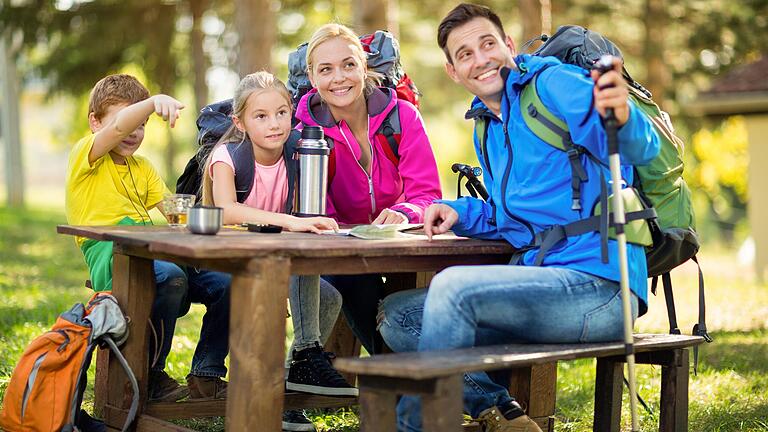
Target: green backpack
x,y
659,210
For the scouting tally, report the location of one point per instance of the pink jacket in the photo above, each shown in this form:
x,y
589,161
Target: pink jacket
x,y
354,197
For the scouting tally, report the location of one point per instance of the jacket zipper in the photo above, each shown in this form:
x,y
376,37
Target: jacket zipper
x,y
367,176
505,180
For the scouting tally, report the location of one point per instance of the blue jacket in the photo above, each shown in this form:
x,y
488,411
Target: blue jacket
x,y
529,181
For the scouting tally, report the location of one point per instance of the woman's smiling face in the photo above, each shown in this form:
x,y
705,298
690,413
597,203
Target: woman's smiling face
x,y
337,72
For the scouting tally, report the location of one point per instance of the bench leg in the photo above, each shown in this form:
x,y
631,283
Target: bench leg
x,y
535,388
674,393
608,389
441,402
441,410
377,410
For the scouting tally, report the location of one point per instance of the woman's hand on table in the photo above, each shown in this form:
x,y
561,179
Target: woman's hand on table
x,y
312,224
388,216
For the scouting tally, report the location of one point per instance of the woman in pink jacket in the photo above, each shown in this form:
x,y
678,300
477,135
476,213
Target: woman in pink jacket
x,y
370,184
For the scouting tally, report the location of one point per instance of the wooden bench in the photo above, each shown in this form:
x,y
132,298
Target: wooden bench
x,y
437,378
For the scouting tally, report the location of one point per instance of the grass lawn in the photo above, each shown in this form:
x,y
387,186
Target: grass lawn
x,y
42,274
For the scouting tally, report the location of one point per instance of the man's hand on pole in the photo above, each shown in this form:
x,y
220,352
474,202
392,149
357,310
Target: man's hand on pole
x,y
438,219
611,92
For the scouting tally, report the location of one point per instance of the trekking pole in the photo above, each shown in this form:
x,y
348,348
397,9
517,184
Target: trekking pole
x,y
603,65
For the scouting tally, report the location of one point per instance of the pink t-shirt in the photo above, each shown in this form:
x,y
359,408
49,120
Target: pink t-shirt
x,y
270,183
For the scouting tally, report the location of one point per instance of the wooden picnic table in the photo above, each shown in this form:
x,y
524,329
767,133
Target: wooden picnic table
x,y
261,265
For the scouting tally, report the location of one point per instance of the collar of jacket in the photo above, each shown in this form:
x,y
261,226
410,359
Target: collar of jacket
x,y
311,106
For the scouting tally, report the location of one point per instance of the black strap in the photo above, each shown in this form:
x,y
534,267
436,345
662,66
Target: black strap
x,y
604,219
578,174
389,133
548,238
669,298
700,328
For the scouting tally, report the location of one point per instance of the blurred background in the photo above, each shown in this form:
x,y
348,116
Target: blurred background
x,y
704,60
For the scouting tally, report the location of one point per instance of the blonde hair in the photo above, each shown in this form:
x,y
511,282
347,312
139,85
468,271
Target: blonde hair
x,y
334,30
256,82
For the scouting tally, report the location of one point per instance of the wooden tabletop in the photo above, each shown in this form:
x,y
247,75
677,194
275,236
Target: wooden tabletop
x,y
235,243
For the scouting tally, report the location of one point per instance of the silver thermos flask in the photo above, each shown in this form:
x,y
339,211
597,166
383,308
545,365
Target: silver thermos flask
x,y
312,153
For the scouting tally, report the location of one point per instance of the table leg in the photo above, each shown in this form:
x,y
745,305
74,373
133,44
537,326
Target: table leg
x,y
133,287
257,345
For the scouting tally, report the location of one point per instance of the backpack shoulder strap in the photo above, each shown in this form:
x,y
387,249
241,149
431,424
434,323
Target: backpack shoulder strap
x,y
391,130
242,156
481,133
553,131
291,167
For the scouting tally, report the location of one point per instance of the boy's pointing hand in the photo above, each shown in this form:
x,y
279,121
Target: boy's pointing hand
x,y
167,107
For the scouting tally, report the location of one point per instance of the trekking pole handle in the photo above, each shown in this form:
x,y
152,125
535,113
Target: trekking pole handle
x,y
602,65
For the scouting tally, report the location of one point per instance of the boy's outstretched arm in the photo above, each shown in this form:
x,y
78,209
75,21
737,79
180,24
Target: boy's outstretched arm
x,y
127,120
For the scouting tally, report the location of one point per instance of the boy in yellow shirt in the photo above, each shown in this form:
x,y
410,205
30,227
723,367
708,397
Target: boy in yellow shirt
x,y
108,185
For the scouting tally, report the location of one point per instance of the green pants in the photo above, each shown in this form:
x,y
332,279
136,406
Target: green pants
x,y
98,257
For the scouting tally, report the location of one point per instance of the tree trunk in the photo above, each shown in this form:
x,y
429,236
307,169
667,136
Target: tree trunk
x,y
655,22
536,16
199,63
257,29
9,123
370,15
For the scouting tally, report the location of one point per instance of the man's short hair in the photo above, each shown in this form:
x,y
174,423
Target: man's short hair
x,y
461,15
113,90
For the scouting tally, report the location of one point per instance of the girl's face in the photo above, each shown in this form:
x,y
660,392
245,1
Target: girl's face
x,y
267,121
337,73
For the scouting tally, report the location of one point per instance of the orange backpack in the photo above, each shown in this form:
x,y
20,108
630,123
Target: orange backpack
x,y
47,385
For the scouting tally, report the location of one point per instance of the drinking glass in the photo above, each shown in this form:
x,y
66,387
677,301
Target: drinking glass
x,y
175,207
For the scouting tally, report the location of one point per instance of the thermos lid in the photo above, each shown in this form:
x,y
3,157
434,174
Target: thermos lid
x,y
312,132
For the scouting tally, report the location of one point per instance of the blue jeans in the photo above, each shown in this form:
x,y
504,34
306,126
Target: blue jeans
x,y
486,305
176,289
315,305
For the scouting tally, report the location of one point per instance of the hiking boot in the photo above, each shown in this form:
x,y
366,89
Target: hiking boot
x,y
296,420
163,388
311,372
204,388
512,419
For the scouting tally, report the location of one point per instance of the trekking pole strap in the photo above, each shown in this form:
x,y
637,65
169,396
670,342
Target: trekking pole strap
x,y
700,329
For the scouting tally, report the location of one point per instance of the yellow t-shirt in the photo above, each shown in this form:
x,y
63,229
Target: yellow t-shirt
x,y
106,193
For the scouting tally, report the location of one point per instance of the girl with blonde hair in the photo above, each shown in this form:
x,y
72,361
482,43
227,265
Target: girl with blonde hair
x,y
261,115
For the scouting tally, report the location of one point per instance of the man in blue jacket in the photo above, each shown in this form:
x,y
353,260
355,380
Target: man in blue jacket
x,y
572,296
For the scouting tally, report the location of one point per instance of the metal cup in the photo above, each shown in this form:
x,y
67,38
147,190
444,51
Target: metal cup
x,y
204,220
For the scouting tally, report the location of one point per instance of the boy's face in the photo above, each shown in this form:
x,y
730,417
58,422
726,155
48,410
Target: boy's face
x,y
479,52
131,143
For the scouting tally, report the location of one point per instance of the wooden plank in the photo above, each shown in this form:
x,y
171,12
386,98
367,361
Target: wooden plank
x,y
114,415
422,365
256,335
218,407
543,390
100,384
377,410
609,381
399,263
133,287
673,416
441,410
179,243
547,424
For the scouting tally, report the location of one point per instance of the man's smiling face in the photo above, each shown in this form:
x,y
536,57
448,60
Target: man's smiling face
x,y
478,52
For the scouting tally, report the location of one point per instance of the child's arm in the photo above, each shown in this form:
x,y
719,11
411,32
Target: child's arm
x,y
129,119
224,196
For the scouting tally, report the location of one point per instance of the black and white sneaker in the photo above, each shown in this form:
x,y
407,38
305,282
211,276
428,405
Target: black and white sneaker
x,y
297,421
311,372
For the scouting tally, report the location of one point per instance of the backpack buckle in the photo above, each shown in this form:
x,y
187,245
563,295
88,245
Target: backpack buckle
x,y
573,153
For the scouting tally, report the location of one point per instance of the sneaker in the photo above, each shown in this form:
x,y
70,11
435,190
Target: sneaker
x,y
203,387
509,420
163,388
296,420
311,372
